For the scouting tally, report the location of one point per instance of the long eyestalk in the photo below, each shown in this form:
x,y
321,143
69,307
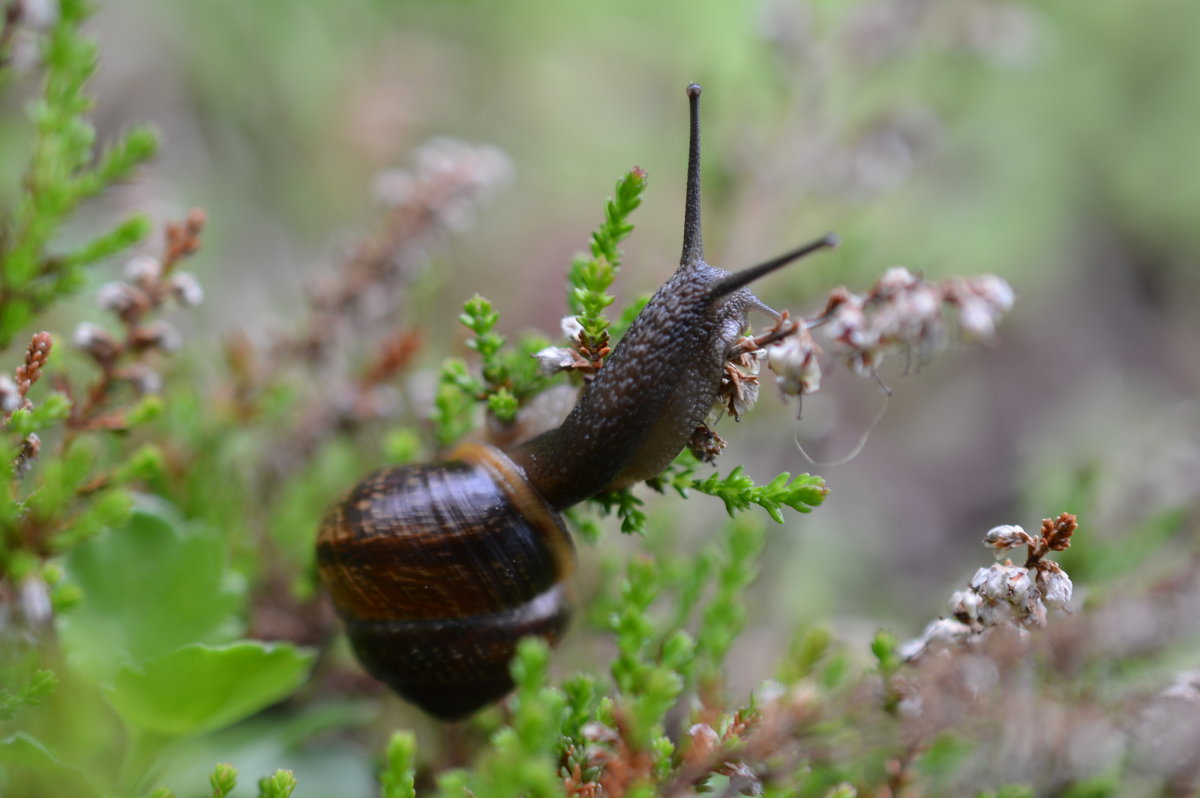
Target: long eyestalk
x,y
740,279
693,240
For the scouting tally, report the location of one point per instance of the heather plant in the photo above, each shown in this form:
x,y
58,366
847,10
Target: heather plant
x,y
160,615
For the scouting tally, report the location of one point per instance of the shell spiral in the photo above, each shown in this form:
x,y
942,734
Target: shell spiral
x,y
439,570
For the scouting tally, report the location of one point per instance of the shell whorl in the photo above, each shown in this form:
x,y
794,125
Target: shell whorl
x,y
439,570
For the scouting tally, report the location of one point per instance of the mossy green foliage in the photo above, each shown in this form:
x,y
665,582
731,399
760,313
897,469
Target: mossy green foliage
x,y
64,170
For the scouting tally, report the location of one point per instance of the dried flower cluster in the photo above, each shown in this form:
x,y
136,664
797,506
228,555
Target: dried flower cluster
x,y
1004,594
901,314
449,179
149,283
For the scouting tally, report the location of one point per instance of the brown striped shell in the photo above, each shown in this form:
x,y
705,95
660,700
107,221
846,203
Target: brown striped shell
x,y
439,570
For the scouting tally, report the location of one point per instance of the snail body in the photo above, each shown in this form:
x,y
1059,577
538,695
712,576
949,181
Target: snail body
x,y
439,570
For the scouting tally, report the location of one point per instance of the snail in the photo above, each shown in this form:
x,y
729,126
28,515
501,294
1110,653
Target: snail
x,y
438,570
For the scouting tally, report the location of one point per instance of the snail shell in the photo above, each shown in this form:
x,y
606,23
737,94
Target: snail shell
x,y
439,570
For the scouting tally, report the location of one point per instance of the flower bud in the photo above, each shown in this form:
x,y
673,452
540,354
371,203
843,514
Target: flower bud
x,y
95,340
571,328
145,269
10,397
144,379
554,359
159,335
1008,536
964,604
794,361
186,289
120,298
1056,587
991,583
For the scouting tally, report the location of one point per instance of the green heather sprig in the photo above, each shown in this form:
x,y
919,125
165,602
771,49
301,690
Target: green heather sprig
x,y
725,615
38,685
508,374
590,278
278,785
397,778
63,171
523,755
739,491
223,780
649,677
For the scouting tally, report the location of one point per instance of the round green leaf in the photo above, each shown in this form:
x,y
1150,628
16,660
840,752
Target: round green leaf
x,y
198,688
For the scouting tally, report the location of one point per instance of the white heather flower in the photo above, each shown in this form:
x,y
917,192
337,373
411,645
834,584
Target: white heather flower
x,y
1008,536
144,269
118,297
994,290
976,319
1019,585
93,338
393,187
10,397
161,335
39,15
847,322
1056,588
991,583
1035,612
996,613
946,630
942,632
794,361
34,601
186,289
144,379
554,359
895,280
571,328
768,693
965,604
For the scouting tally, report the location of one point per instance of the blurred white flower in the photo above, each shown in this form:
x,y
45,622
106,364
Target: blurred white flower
x,y
144,268
571,328
186,289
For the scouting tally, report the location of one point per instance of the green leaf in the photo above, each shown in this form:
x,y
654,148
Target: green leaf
x,y
149,586
198,688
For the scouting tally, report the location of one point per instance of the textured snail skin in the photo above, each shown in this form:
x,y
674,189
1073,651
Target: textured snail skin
x,y
657,386
439,570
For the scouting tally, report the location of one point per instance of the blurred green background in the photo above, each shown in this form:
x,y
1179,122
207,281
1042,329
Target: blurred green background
x,y
1052,144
